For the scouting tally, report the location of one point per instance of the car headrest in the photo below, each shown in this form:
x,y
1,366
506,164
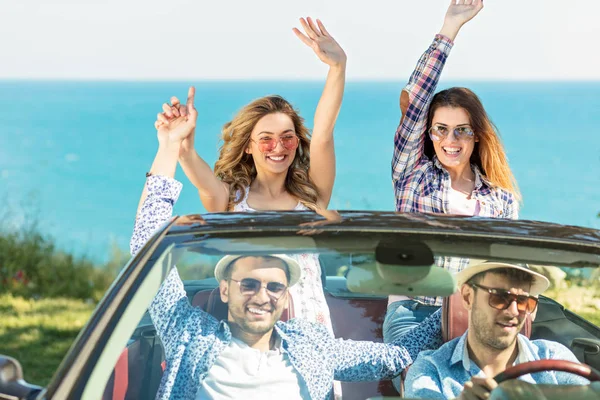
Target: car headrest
x,y
210,301
455,319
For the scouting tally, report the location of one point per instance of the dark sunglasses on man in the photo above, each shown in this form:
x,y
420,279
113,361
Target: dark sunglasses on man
x,y
501,299
251,286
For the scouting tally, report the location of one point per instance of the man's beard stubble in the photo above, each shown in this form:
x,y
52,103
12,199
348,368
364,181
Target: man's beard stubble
x,y
484,332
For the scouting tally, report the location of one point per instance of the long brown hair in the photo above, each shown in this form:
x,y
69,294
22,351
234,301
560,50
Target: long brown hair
x,y
236,168
488,153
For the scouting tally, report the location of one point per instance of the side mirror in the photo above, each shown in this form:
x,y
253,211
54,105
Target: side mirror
x,y
11,380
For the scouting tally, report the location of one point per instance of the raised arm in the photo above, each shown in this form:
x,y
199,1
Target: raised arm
x,y
213,193
416,96
153,208
322,152
170,309
160,194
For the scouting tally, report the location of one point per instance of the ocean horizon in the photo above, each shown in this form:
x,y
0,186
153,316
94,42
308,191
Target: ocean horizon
x,y
73,154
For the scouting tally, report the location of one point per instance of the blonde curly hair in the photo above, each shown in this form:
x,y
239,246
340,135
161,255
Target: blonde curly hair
x,y
236,168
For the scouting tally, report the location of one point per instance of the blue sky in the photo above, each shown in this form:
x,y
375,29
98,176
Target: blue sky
x,y
241,39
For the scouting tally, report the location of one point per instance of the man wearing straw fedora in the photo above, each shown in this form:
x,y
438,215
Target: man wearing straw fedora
x,y
498,298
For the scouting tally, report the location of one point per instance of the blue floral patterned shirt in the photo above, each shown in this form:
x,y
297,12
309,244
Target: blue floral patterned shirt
x,y
193,339
442,373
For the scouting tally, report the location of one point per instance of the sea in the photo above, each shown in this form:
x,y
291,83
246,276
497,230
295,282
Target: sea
x,y
73,154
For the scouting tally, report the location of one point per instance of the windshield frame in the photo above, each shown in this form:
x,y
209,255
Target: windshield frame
x,y
72,375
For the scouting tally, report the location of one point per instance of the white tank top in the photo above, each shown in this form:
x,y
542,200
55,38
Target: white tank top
x,y
243,205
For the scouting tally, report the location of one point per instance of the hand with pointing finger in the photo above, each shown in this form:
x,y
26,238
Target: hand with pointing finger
x,y
177,123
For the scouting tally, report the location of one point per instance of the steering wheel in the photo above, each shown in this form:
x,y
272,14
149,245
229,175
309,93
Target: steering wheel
x,y
530,367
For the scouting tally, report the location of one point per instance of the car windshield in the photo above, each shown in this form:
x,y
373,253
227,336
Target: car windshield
x,y
361,269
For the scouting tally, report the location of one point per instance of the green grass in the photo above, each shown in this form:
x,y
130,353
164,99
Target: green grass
x,y
39,333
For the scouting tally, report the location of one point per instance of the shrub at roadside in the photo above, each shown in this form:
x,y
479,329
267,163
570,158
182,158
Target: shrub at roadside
x,y
46,297
31,266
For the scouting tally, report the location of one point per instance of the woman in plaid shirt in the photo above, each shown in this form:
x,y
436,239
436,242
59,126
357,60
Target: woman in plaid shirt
x,y
448,158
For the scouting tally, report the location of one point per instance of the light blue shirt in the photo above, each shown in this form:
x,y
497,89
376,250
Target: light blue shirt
x,y
442,373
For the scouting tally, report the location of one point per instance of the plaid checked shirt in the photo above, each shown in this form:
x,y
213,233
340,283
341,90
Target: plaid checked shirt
x,y
421,184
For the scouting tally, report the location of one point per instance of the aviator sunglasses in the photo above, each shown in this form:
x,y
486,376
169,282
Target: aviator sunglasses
x,y
439,132
502,299
250,287
267,144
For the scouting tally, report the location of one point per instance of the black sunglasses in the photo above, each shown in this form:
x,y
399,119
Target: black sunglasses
x,y
250,287
501,299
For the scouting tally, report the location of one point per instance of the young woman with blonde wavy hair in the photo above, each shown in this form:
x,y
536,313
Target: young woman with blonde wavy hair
x,y
253,157
268,160
448,158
